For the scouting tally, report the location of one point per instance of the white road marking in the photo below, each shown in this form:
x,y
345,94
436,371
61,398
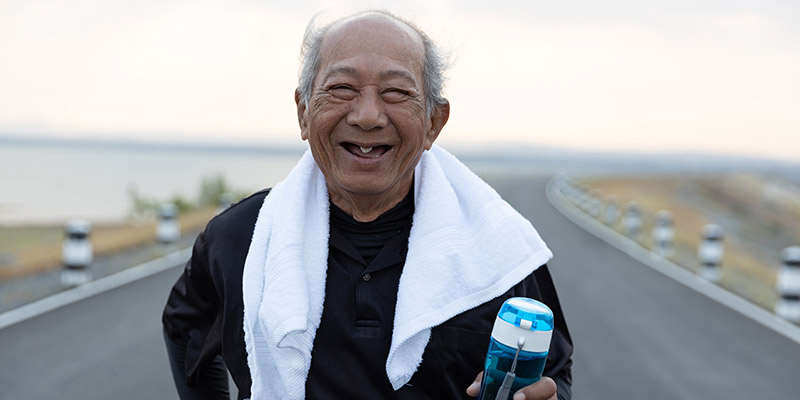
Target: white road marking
x,y
92,288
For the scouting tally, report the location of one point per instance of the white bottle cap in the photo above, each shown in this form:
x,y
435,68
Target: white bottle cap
x,y
509,334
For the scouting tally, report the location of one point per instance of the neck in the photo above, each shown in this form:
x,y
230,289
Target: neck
x,y
368,207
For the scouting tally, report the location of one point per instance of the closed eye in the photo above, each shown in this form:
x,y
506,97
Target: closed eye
x,y
395,95
343,92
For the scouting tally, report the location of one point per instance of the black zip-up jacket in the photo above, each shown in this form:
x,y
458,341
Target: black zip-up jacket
x,y
204,314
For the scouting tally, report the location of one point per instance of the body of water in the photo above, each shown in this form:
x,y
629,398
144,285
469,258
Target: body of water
x,y
51,182
46,181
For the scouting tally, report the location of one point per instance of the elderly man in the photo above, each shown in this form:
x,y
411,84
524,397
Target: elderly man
x,y
376,268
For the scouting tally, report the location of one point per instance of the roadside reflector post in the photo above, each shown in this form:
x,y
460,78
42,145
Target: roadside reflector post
x,y
595,203
567,187
582,196
168,230
632,220
611,216
574,190
663,233
788,285
77,253
710,253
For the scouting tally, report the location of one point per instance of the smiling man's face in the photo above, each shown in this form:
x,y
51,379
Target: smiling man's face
x,y
366,120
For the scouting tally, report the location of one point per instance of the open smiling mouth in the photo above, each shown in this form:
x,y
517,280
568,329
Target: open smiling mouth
x,y
366,152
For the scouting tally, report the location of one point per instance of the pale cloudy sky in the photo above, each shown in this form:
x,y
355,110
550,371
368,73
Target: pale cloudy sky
x,y
718,76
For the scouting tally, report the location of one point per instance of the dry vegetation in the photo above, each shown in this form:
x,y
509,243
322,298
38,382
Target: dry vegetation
x,y
759,216
28,250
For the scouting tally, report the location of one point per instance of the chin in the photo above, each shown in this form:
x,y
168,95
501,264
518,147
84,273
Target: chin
x,y
366,189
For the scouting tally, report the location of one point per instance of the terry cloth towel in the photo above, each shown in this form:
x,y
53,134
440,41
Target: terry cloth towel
x,y
466,246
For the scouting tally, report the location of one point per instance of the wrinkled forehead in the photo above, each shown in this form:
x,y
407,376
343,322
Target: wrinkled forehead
x,y
373,34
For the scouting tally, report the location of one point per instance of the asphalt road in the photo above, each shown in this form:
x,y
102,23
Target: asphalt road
x,y
638,334
105,347
641,335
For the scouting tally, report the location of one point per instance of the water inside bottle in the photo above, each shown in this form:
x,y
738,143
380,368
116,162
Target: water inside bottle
x,y
498,362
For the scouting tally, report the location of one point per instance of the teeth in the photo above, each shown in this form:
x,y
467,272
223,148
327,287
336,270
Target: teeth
x,y
365,150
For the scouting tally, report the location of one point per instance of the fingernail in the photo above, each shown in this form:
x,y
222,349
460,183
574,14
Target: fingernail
x,y
519,396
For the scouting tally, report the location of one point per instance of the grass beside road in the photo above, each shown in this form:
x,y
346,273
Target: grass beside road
x,y
32,249
758,213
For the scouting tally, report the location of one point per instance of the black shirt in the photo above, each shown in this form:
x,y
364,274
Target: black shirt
x,y
365,261
204,314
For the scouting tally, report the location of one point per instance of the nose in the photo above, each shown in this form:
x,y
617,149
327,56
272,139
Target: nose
x,y
367,112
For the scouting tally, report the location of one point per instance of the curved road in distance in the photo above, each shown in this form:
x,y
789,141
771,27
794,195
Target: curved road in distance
x,y
638,334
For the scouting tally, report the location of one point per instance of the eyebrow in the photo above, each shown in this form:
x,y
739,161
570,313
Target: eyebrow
x,y
392,73
398,73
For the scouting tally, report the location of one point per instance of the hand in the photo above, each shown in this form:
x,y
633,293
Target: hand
x,y
543,389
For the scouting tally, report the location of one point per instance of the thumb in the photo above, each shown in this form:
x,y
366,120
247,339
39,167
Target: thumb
x,y
475,387
543,389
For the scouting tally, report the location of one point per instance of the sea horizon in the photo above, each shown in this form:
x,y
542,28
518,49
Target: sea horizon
x,y
49,180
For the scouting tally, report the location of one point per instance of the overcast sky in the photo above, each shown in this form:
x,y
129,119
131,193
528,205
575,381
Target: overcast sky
x,y
705,75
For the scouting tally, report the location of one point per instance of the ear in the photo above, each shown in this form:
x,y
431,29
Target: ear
x,y
439,117
301,114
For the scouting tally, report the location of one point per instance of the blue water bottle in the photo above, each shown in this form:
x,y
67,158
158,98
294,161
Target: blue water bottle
x,y
518,349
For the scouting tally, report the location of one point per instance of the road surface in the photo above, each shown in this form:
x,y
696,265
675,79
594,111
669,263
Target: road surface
x,y
638,334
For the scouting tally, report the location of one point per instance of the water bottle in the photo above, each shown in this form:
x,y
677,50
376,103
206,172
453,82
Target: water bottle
x,y
518,348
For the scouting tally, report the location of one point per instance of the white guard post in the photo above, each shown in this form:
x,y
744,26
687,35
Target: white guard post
x,y
594,204
632,220
611,216
168,230
710,253
582,197
788,285
663,233
77,253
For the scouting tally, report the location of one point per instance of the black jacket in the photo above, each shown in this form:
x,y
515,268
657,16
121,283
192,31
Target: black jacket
x,y
204,313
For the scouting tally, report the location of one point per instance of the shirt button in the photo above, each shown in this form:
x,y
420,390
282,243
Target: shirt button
x,y
366,277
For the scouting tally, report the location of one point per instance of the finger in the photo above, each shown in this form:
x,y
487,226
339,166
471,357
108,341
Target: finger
x,y
544,389
475,387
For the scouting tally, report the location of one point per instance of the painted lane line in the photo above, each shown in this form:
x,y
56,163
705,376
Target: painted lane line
x,y
93,288
671,270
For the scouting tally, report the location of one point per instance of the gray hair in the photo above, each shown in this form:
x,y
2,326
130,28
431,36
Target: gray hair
x,y
433,69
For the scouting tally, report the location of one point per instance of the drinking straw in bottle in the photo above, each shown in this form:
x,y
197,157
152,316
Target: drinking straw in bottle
x,y
518,348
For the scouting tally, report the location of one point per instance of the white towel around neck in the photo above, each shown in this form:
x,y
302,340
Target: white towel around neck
x,y
466,247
